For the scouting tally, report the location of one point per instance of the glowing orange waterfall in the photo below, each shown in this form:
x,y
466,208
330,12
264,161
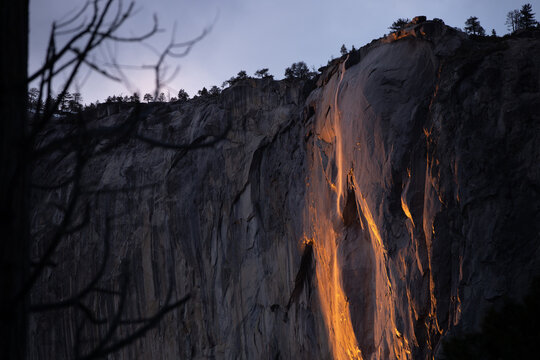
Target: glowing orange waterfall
x,y
334,304
339,144
324,217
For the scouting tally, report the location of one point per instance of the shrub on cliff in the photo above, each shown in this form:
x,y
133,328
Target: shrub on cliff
x,y
214,91
399,24
299,70
473,27
183,95
263,73
148,97
242,75
203,92
135,98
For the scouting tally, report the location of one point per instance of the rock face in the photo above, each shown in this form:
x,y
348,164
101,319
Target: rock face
x,y
366,217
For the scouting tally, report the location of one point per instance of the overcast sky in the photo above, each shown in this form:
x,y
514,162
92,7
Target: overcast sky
x,y
252,34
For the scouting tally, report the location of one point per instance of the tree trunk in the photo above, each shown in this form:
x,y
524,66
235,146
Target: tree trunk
x,y
14,258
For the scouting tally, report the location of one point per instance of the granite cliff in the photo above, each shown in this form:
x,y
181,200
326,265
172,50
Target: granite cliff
x,y
365,216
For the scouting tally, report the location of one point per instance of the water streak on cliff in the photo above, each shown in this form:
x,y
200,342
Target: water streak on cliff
x,y
326,225
339,141
334,303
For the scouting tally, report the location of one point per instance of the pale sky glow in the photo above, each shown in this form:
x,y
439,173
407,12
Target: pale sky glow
x,y
253,34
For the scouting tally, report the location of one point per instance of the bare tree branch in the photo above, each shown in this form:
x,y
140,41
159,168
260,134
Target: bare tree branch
x,y
94,28
75,17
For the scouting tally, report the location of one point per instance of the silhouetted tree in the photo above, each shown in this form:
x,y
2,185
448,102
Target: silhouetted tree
x,y
242,75
63,101
262,73
75,104
148,97
493,33
135,98
161,97
33,95
472,26
203,92
527,20
298,70
343,50
399,24
513,20
77,98
214,91
182,95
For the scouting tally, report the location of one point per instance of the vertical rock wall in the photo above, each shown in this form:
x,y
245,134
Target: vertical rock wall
x,y
367,218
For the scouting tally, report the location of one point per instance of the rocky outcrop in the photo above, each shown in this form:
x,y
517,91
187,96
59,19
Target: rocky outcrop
x,y
368,216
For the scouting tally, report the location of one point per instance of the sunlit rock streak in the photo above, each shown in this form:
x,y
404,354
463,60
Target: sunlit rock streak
x,y
325,221
334,303
339,144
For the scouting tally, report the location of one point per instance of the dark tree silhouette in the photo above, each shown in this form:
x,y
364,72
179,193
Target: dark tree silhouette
x,y
64,101
203,92
262,73
526,19
399,24
76,104
148,97
343,50
298,70
214,91
183,95
242,75
33,94
513,20
473,27
135,98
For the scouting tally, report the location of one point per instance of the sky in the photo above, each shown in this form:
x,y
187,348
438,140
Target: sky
x,y
246,35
